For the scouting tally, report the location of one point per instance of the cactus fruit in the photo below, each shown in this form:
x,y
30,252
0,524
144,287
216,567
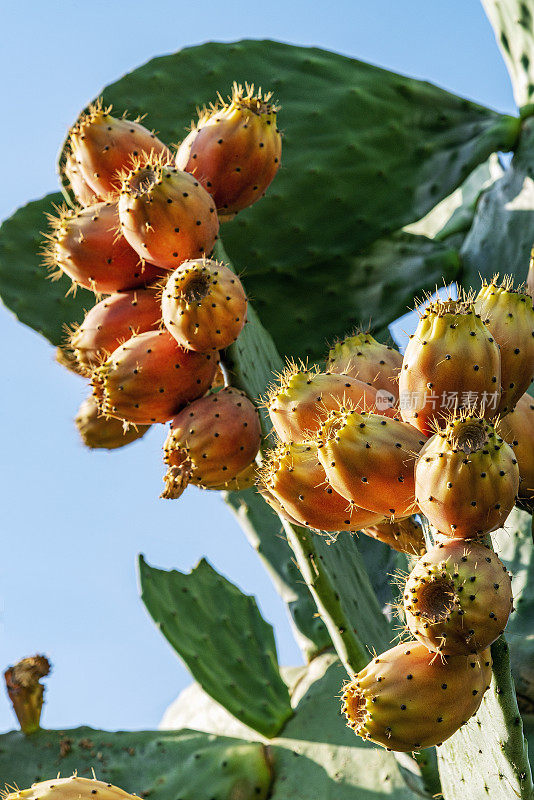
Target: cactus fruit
x,y
78,185
73,788
245,479
204,305
466,478
302,398
26,692
408,698
293,475
362,357
109,323
509,316
102,146
276,505
234,150
451,361
150,378
211,441
404,535
165,214
517,429
369,459
84,244
458,597
98,432
67,359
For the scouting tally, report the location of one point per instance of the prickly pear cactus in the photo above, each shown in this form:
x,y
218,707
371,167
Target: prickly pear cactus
x,y
403,177
319,258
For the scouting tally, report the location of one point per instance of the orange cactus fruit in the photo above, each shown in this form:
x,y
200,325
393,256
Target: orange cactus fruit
x,y
292,474
458,597
276,505
234,149
204,305
466,478
369,459
408,698
78,185
110,322
245,479
85,245
451,361
509,316
303,397
101,146
150,378
211,442
362,357
165,214
98,432
404,535
517,429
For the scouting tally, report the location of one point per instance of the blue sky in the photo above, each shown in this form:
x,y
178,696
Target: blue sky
x,y
73,520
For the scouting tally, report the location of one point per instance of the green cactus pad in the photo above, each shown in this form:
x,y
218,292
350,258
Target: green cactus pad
x,y
319,757
488,755
363,154
501,236
316,755
512,21
366,143
24,283
222,637
369,290
264,531
162,765
514,546
451,219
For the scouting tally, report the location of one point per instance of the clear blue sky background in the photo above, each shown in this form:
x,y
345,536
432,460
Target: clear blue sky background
x,y
73,521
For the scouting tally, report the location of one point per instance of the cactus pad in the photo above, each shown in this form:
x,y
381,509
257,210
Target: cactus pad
x,y
222,637
164,765
512,21
332,108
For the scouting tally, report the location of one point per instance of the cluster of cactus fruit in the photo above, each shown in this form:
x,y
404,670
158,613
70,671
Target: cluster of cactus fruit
x,y
142,235
364,445
425,452
378,437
